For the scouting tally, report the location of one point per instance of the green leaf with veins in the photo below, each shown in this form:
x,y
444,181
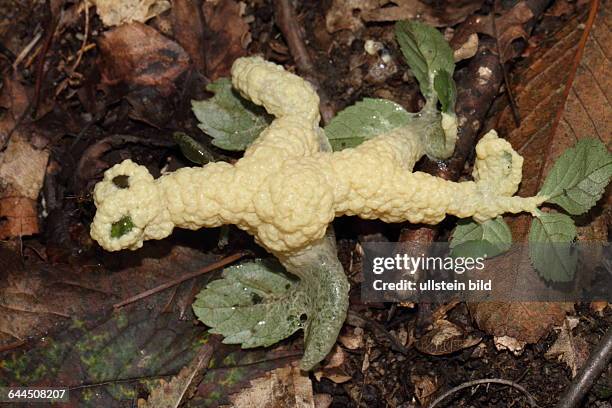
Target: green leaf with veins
x,y
550,246
489,239
232,121
364,120
254,304
428,55
579,176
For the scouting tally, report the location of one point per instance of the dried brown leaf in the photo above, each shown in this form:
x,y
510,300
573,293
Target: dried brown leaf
x,y
139,55
285,387
562,93
22,170
425,386
445,338
227,36
570,349
334,367
117,12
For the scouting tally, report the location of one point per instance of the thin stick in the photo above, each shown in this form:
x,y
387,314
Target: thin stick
x,y
26,50
216,265
468,384
598,361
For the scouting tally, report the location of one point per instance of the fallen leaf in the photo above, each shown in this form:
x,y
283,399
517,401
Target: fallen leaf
x,y
285,387
351,14
119,355
509,343
117,12
139,55
188,28
334,367
352,339
508,28
561,94
570,349
425,386
22,170
227,36
35,297
445,338
467,49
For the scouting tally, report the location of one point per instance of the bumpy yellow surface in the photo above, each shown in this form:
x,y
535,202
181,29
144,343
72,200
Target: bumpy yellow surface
x,y
285,190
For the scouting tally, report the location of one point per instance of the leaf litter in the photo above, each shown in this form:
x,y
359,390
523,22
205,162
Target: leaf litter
x,y
43,296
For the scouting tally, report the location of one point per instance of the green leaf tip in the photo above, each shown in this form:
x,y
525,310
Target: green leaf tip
x,y
429,57
488,239
232,121
254,304
550,246
579,176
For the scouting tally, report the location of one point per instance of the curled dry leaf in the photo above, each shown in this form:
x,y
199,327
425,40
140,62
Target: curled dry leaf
x,y
352,339
570,349
351,14
425,386
227,36
562,95
509,27
139,55
467,49
117,12
22,170
334,367
509,343
285,387
446,338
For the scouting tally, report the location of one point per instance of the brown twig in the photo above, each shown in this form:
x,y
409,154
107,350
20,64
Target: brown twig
x,y
468,384
40,66
286,20
215,265
598,361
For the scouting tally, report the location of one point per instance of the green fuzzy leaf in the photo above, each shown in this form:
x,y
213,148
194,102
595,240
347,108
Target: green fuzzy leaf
x,y
192,150
254,304
489,239
579,177
364,120
232,121
428,55
446,90
550,246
